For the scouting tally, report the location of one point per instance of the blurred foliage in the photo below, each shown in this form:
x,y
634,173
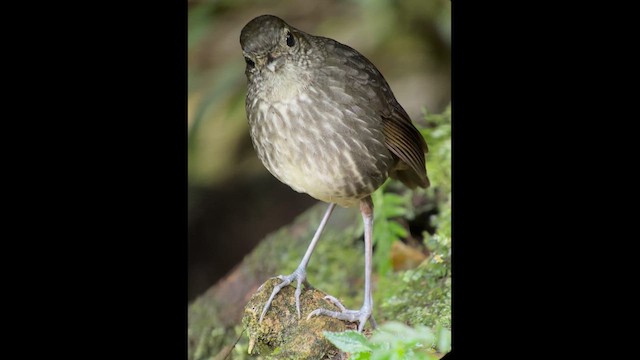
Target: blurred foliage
x,y
393,341
437,134
386,231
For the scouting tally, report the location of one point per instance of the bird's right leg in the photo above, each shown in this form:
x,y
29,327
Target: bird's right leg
x,y
364,314
300,274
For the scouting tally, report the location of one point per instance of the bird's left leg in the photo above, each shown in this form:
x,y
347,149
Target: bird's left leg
x,y
362,315
300,274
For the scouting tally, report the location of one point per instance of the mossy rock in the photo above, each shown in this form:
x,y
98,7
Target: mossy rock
x,y
281,335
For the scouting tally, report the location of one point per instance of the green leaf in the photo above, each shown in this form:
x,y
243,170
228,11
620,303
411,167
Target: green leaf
x,y
391,331
348,341
360,356
391,211
398,229
394,199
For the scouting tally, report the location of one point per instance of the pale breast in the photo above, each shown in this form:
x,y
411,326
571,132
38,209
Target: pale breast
x,y
318,143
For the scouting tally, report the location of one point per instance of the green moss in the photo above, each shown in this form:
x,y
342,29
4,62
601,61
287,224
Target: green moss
x,y
420,296
281,334
206,334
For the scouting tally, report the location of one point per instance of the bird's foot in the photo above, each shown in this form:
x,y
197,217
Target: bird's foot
x,y
301,276
361,316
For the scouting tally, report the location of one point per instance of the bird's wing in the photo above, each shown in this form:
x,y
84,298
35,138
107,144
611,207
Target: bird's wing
x,y
405,141
401,136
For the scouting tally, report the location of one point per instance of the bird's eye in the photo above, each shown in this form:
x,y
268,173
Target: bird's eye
x,y
290,40
249,62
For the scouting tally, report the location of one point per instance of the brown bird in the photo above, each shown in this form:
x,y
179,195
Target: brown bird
x,y
325,122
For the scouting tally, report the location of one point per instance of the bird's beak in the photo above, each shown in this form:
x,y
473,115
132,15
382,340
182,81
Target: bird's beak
x,y
272,62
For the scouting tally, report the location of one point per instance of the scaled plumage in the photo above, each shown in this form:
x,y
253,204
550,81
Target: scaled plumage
x,y
325,122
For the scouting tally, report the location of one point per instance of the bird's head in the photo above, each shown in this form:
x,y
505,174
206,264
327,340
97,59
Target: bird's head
x,y
268,44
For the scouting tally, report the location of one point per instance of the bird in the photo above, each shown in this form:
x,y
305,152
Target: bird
x,y
324,121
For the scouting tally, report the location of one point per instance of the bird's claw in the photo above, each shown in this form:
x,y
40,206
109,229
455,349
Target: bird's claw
x,y
335,302
300,276
361,316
